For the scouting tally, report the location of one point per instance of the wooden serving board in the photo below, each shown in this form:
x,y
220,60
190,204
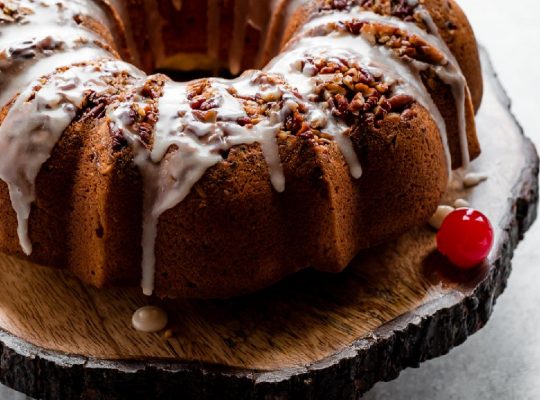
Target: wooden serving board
x,y
313,336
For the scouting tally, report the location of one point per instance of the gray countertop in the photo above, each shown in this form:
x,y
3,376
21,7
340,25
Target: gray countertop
x,y
502,361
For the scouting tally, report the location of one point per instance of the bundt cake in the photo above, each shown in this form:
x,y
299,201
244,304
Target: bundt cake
x,y
339,135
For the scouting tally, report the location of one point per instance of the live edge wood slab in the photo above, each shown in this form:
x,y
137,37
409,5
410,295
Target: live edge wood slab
x,y
313,336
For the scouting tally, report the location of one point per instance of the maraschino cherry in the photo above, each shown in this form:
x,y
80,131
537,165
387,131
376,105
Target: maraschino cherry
x,y
465,237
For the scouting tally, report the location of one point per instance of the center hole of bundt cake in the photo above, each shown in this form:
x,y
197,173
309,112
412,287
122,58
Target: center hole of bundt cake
x,y
184,76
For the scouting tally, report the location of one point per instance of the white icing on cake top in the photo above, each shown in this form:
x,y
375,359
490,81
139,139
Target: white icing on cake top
x,y
45,37
41,65
46,107
375,59
34,125
450,72
169,177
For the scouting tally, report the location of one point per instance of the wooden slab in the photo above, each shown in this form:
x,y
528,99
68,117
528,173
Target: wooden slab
x,y
314,336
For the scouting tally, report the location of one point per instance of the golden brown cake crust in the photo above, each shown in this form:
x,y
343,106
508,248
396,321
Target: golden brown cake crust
x,y
456,30
450,19
234,233
320,220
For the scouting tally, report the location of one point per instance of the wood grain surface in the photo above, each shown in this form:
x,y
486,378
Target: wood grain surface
x,y
311,336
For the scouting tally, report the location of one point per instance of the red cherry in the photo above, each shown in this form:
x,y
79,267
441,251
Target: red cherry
x,y
465,237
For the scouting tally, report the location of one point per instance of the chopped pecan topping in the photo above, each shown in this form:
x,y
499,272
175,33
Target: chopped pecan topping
x,y
400,42
13,13
400,101
29,49
142,115
95,106
141,119
153,87
354,94
273,95
404,9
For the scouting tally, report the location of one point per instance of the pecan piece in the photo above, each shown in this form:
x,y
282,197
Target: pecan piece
x,y
400,101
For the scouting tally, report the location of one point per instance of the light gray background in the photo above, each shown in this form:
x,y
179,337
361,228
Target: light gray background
x,y
503,360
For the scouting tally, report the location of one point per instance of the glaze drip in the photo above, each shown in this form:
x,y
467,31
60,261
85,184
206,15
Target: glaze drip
x,y
45,107
26,61
452,76
344,46
30,46
197,122
34,125
198,143
448,70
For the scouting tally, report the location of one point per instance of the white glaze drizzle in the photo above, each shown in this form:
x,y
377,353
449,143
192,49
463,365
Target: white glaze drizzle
x,y
34,125
50,17
31,128
45,19
168,183
461,203
452,76
440,215
472,179
450,73
47,65
347,46
169,176
15,36
56,12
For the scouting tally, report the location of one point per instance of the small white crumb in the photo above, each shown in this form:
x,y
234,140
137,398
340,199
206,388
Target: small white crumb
x,y
440,215
473,179
461,203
